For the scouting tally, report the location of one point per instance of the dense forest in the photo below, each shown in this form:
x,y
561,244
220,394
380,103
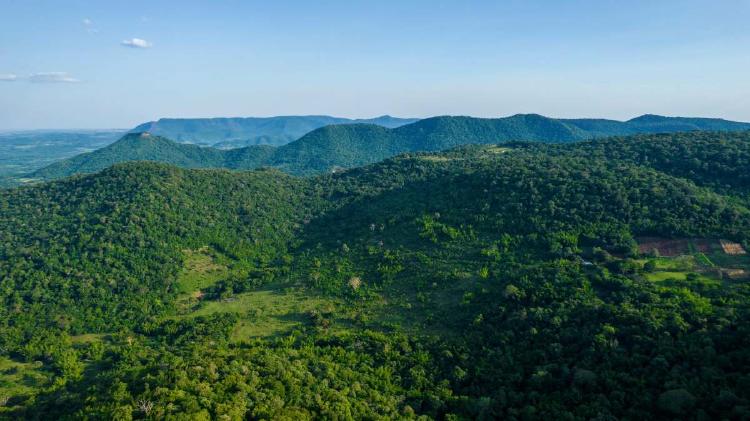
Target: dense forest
x,y
146,147
336,147
277,131
497,281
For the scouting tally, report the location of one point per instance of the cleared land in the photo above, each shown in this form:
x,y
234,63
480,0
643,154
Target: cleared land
x,y
708,259
269,311
200,270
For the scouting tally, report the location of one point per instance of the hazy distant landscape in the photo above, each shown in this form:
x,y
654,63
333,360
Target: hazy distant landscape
x,y
23,152
229,133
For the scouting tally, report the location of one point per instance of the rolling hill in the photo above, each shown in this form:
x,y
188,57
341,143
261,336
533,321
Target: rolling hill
x,y
228,133
650,123
345,146
145,147
483,282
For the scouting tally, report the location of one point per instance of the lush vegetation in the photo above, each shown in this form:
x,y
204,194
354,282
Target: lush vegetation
x,y
277,131
146,147
717,160
482,282
650,123
336,147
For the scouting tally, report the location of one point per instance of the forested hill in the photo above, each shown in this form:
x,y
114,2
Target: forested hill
x,y
650,123
484,282
276,131
338,146
147,147
713,159
324,149
350,146
238,132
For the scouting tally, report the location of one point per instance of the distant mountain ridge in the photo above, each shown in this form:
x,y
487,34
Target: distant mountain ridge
x,y
247,131
650,123
350,145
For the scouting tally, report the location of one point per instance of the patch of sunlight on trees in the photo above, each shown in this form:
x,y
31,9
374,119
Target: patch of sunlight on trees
x,y
16,379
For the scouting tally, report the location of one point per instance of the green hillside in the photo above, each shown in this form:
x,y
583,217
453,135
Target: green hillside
x,y
650,123
484,282
146,147
337,147
717,160
276,131
324,149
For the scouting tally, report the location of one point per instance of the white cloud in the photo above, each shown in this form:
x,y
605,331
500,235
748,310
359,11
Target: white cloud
x,y
8,77
89,24
52,77
136,43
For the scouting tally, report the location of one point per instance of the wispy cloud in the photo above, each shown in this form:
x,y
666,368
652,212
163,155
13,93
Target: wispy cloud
x,y
136,43
8,77
89,25
52,77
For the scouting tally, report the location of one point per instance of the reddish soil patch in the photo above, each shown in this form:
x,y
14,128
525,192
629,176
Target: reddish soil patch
x,y
673,247
665,246
704,246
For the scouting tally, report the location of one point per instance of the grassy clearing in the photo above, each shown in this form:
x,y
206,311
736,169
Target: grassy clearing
x,y
680,276
87,338
666,275
436,158
18,380
270,311
201,270
497,149
681,263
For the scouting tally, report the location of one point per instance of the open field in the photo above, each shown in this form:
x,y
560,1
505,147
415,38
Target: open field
x,y
269,311
200,271
674,259
679,276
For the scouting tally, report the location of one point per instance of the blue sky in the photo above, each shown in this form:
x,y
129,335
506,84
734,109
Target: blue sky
x,y
79,64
